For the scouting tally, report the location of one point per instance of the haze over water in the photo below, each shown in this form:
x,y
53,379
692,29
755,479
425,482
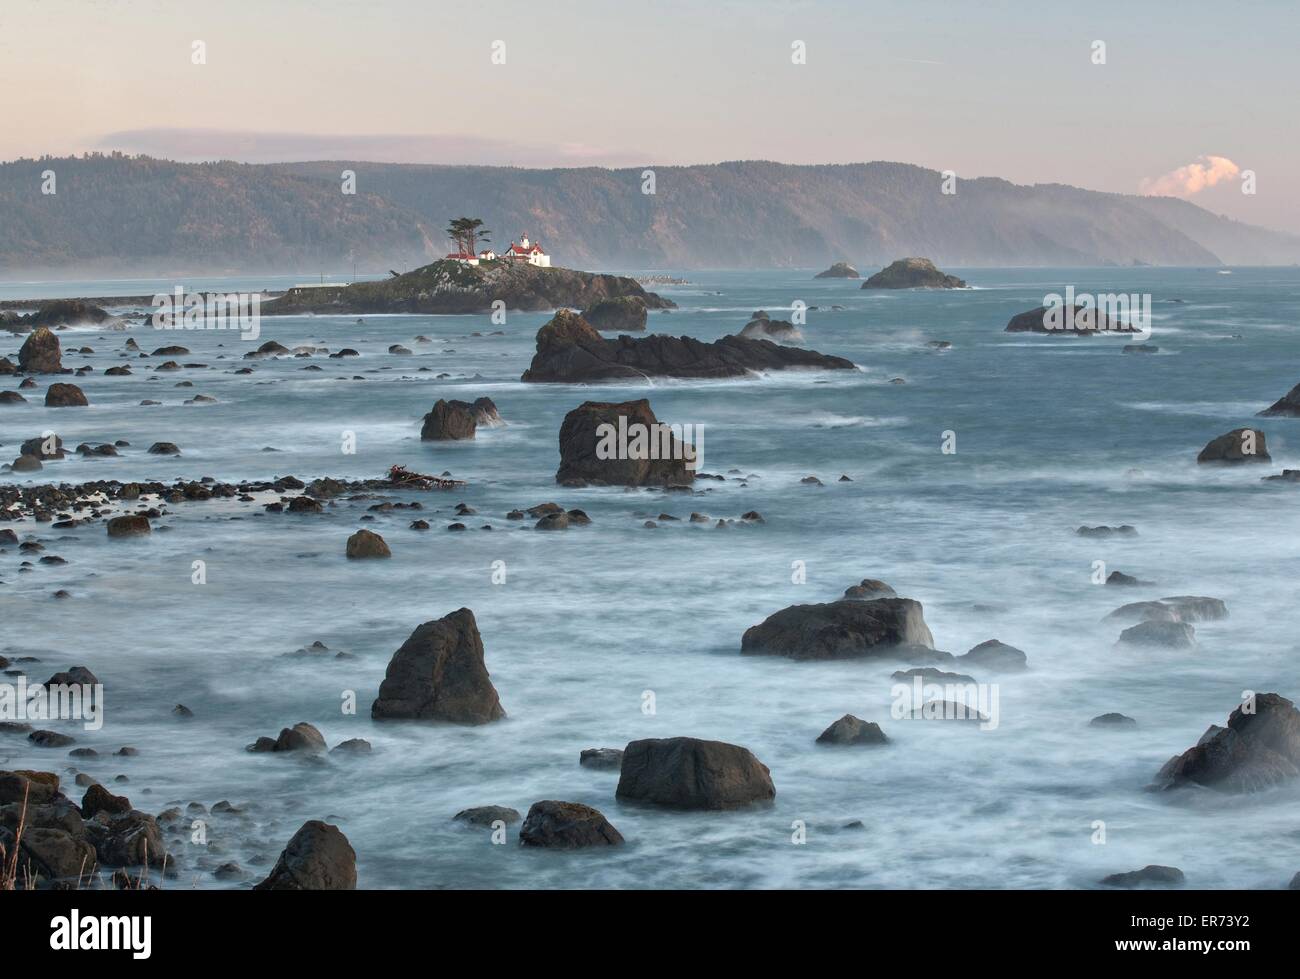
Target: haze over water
x,y
1052,433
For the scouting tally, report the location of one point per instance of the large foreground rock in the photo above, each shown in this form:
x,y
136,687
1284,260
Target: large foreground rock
x,y
847,629
1239,445
912,273
439,674
687,773
569,350
586,447
1255,751
318,858
40,353
65,396
567,826
622,315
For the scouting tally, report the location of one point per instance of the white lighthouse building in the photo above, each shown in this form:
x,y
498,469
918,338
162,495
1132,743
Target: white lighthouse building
x,y
527,251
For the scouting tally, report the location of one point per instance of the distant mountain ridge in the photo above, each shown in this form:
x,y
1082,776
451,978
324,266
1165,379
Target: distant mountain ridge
x,y
114,213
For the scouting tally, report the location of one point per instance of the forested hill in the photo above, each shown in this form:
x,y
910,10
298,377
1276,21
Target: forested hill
x,y
117,213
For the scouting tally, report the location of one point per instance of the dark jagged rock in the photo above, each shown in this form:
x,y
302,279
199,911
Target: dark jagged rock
x,y
569,350
65,396
439,674
1287,406
40,353
318,858
912,273
567,826
486,413
1258,749
302,737
840,270
852,730
269,349
450,287
164,449
584,439
449,421
1152,875
1124,530
847,629
687,773
1239,445
930,674
1067,320
624,314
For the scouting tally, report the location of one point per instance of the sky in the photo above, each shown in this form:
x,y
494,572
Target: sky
x,y
1191,95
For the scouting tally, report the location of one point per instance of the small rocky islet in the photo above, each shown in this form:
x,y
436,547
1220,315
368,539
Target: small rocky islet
x,y
439,675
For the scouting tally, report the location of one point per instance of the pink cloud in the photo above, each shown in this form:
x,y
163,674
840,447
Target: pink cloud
x,y
1190,179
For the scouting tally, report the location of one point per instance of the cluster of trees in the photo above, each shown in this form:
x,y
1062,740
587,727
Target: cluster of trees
x,y
467,234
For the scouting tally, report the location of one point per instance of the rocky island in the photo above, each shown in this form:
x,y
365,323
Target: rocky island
x,y
840,270
451,287
913,273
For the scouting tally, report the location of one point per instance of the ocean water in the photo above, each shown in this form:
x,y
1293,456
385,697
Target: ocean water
x,y
1051,433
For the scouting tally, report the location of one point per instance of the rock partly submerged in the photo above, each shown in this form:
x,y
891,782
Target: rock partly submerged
x,y
840,270
912,273
569,350
622,444
848,629
1287,406
567,826
1241,445
439,674
690,773
1067,320
318,858
1260,748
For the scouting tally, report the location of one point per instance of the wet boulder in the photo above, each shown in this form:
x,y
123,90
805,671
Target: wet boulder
x,y
622,444
870,588
602,758
487,815
1171,635
128,525
318,858
65,396
688,773
367,544
1152,875
997,656
847,629
1259,748
1235,447
301,737
850,730
449,421
40,353
439,674
567,826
